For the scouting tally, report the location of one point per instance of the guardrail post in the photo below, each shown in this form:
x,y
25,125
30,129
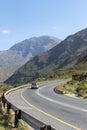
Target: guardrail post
x,y
16,119
3,100
2,97
46,127
8,107
42,128
17,116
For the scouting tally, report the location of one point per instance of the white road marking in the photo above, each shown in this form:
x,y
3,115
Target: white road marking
x,y
58,102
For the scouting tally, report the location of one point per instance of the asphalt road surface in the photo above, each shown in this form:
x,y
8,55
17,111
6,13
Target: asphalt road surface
x,y
60,111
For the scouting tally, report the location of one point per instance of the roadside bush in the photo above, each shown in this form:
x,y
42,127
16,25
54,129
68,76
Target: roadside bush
x,y
67,89
79,91
1,111
71,82
16,85
82,91
22,126
6,87
6,118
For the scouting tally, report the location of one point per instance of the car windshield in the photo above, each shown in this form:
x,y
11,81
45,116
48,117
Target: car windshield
x,y
33,83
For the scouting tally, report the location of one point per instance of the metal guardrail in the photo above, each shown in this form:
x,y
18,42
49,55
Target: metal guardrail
x,y
38,125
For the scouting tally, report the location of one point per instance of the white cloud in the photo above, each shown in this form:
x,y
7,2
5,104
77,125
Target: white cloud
x,y
5,31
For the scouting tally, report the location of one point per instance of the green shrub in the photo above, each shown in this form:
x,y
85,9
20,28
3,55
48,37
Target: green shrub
x,y
6,88
6,118
82,91
21,126
78,91
16,85
71,82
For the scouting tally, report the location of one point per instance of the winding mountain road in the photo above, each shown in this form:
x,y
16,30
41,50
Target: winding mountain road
x,y
60,111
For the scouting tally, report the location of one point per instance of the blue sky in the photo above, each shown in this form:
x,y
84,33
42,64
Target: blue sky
x,y
22,19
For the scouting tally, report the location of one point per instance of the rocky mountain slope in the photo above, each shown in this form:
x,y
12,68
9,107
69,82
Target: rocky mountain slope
x,y
20,53
81,65
64,54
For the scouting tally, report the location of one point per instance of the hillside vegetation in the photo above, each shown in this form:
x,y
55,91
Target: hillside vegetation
x,y
60,61
74,87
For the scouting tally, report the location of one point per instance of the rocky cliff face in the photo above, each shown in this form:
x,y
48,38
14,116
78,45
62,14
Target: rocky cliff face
x,y
20,53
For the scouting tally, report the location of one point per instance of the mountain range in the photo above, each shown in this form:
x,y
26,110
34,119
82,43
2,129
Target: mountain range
x,y
20,53
65,54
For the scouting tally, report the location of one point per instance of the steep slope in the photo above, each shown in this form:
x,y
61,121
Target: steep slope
x,y
82,60
81,65
64,54
20,53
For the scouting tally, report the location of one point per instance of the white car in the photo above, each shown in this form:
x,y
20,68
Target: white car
x,y
34,86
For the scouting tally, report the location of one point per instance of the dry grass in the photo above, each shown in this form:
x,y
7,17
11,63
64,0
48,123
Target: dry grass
x,y
67,89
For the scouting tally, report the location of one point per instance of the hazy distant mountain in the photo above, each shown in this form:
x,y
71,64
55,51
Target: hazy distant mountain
x,y
64,54
20,53
35,45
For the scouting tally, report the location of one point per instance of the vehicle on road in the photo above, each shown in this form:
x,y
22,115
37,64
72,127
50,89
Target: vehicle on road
x,y
34,86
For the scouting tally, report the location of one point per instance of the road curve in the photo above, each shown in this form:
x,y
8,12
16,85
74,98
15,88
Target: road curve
x,y
61,112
